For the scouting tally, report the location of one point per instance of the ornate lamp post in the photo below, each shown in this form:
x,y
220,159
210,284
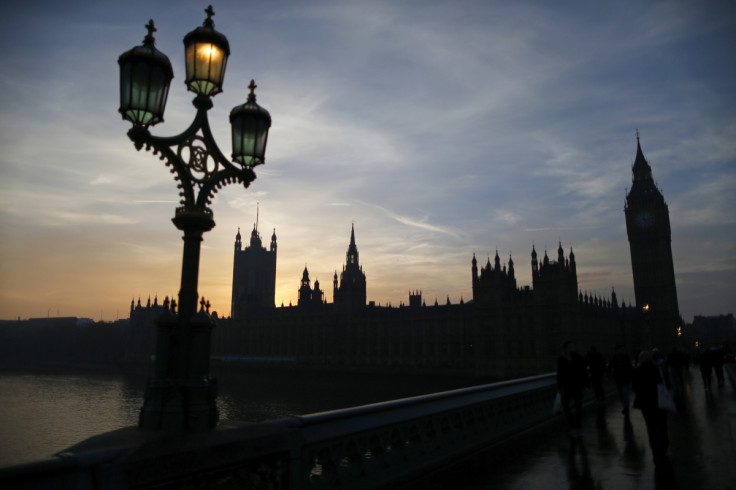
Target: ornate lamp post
x,y
181,393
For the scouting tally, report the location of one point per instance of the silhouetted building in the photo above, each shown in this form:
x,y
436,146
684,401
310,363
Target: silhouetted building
x,y
648,229
350,295
415,299
254,275
142,332
63,343
308,297
712,331
506,330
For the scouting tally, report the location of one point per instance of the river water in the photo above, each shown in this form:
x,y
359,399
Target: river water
x,y
42,414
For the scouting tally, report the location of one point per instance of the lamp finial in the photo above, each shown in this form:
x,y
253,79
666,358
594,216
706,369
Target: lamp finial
x,y
149,39
208,21
252,94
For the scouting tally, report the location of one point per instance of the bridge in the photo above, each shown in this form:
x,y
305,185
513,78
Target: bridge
x,y
497,436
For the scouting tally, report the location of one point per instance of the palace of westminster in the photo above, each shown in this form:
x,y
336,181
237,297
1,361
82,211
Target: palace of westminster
x,y
505,330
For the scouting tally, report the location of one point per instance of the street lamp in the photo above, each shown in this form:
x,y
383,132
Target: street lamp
x,y
647,327
181,394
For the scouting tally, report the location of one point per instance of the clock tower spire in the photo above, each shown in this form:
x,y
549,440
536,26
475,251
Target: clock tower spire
x,y
650,237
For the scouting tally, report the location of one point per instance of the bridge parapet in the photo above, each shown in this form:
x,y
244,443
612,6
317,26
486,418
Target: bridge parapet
x,y
374,445
362,447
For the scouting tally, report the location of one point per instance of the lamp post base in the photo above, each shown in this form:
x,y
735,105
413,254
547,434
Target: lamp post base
x,y
181,395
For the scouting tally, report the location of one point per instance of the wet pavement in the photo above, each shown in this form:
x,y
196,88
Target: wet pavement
x,y
613,453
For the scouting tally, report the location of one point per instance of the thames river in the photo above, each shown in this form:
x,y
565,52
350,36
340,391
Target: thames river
x,y
42,414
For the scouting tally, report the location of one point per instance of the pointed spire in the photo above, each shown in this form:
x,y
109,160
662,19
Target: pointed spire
x,y
641,169
352,253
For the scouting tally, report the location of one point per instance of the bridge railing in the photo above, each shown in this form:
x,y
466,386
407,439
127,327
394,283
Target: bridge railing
x,y
373,445
370,446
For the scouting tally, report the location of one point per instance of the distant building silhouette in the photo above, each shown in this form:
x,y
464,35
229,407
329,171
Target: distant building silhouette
x,y
506,330
713,331
648,229
308,297
254,275
141,339
350,295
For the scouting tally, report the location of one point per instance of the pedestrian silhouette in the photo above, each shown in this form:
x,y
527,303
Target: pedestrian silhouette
x,y
715,355
572,378
596,368
620,368
706,368
645,378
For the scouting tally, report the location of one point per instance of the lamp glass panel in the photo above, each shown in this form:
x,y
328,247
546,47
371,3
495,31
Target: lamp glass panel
x,y
124,87
205,65
243,140
158,90
249,140
262,136
144,89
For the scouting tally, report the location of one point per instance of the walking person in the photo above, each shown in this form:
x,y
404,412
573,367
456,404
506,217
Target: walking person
x,y
620,367
706,368
677,362
715,354
644,380
572,378
596,368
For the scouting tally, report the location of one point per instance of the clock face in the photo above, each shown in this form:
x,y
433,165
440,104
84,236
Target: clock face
x,y
644,220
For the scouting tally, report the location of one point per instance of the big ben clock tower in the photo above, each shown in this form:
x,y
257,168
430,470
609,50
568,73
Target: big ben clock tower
x,y
648,228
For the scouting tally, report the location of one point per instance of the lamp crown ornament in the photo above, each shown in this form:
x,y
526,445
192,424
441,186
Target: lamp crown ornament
x,y
149,39
208,22
252,95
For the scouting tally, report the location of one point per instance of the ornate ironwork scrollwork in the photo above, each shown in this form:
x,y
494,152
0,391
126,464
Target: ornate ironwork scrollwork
x,y
195,160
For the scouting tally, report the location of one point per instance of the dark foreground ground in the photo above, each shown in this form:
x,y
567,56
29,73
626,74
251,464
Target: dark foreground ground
x,y
612,454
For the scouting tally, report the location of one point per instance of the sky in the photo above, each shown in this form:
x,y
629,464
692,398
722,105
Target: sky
x,y
437,129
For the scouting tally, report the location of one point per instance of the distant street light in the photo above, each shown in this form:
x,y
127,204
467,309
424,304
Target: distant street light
x,y
647,325
181,394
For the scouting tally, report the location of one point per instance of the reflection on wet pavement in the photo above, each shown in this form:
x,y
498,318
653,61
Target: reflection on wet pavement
x,y
613,452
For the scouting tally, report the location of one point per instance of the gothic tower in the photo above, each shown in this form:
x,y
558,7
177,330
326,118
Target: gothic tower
x,y
648,229
351,293
254,275
308,297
